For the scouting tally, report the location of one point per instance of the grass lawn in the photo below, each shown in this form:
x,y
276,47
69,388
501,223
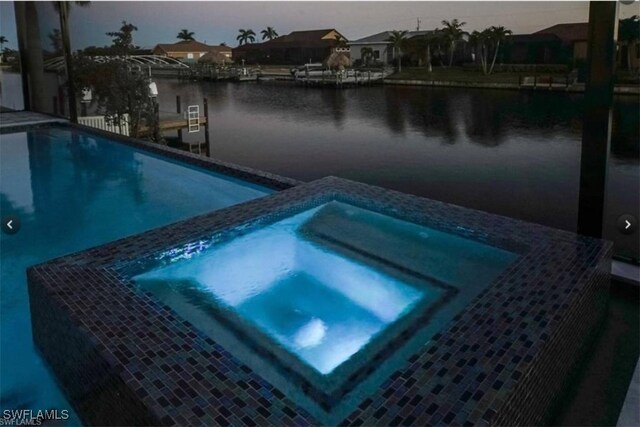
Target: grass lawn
x,y
457,74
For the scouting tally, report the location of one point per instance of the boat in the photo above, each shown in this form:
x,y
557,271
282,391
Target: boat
x,y
244,74
319,75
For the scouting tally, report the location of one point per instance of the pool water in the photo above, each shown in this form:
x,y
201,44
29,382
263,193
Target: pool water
x,y
71,191
326,284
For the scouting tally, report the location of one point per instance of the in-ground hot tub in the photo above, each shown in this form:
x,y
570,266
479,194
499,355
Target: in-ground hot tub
x,y
329,303
325,297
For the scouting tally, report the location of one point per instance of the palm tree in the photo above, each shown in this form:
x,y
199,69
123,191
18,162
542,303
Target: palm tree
x,y
452,31
479,41
628,33
435,40
423,47
186,35
269,33
398,42
497,35
366,53
246,36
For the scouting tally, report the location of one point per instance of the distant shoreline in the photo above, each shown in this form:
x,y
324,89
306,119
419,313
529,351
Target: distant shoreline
x,y
575,88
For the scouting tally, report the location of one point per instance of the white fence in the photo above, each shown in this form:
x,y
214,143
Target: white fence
x,y
100,122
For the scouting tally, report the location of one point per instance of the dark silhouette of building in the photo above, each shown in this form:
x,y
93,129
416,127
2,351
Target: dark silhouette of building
x,y
559,44
296,48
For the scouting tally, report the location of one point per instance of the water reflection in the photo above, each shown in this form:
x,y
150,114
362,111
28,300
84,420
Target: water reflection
x,y
335,102
624,145
484,122
514,153
92,174
394,116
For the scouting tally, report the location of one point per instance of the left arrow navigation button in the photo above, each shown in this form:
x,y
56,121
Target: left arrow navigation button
x,y
10,224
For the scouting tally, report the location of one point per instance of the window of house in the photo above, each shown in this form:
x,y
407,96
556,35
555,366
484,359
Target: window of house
x,y
376,54
189,55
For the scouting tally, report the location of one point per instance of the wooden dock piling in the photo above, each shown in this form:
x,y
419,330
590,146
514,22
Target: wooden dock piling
x,y
179,111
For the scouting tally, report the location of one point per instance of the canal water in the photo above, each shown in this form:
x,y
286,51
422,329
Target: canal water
x,y
513,153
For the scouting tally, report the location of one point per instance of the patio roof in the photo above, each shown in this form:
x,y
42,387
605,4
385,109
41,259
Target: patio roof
x,y
58,63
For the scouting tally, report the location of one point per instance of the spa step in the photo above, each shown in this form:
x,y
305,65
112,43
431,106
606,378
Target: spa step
x,y
404,245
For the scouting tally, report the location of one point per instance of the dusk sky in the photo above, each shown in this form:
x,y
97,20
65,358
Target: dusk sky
x,y
216,22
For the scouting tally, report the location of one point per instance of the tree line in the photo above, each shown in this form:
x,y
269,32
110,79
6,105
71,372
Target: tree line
x,y
439,45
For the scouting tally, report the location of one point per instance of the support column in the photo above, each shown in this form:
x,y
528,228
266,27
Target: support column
x,y
21,30
34,63
596,133
206,126
179,111
68,56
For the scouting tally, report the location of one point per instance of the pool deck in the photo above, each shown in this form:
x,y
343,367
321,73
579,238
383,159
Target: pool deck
x,y
124,358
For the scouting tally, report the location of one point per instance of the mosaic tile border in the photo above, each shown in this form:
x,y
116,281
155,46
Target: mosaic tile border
x,y
502,359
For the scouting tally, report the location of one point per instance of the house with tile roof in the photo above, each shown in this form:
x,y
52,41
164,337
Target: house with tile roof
x,y
533,49
380,46
558,44
573,37
190,50
296,48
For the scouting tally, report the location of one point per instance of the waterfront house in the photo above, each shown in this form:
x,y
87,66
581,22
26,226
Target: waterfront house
x,y
298,47
558,44
190,50
533,49
380,46
573,37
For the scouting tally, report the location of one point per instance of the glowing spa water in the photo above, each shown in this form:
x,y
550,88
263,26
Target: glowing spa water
x,y
321,284
319,305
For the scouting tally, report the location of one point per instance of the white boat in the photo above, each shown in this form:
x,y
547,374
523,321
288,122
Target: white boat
x,y
244,74
309,75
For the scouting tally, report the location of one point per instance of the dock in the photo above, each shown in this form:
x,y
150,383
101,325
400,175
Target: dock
x,y
345,78
214,73
178,123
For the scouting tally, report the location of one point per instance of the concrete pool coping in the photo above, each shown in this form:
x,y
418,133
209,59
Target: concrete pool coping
x,y
123,358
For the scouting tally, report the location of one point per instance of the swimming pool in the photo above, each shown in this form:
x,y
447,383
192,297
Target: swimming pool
x,y
73,190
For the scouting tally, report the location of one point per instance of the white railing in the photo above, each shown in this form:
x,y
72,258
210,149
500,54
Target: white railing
x,y
99,122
